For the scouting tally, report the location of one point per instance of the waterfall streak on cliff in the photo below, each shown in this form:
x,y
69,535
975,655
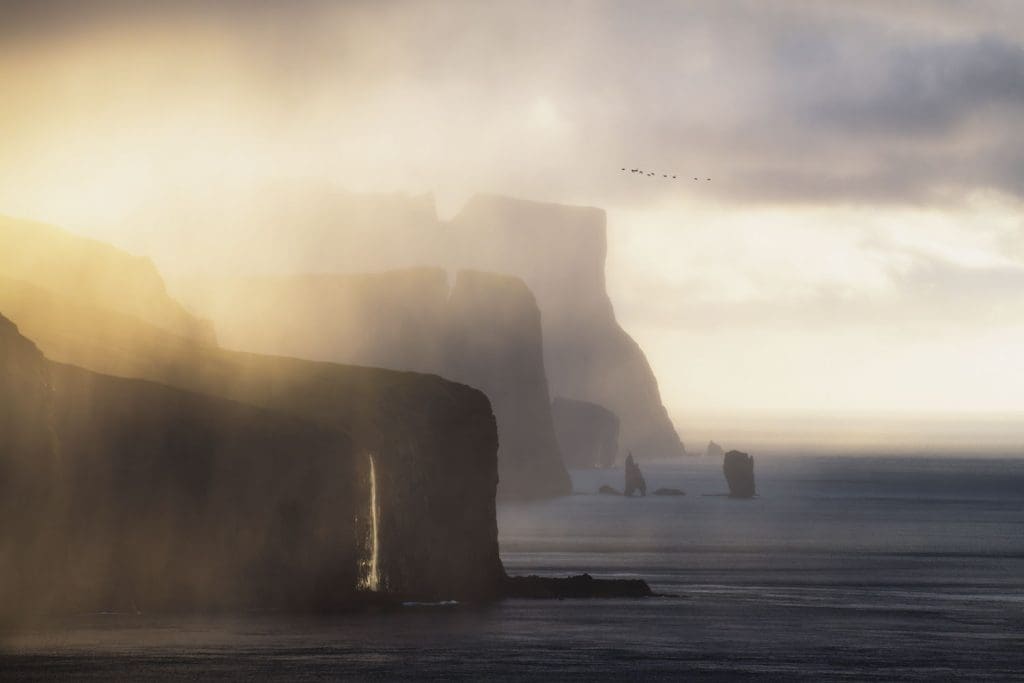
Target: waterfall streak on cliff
x,y
371,580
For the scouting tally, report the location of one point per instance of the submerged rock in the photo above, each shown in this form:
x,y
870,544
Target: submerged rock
x,y
739,474
714,450
634,478
669,492
609,491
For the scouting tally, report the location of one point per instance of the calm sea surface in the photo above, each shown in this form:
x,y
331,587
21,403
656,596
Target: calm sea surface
x,y
844,567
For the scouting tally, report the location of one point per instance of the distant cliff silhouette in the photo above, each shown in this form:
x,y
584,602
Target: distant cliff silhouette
x,y
559,251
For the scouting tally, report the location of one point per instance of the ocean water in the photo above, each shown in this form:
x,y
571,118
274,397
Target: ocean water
x,y
843,568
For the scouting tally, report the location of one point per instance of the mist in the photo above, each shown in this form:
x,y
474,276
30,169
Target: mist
x,y
865,199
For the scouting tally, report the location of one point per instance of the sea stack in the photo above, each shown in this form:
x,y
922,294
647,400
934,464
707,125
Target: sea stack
x,y
739,474
714,450
634,478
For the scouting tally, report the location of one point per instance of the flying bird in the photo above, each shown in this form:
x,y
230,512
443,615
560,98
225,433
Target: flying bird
x,y
652,174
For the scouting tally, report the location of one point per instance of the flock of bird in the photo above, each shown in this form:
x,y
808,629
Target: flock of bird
x,y
651,174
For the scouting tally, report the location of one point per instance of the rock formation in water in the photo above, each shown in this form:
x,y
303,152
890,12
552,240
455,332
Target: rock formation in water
x,y
634,478
714,450
485,332
739,474
606,490
588,434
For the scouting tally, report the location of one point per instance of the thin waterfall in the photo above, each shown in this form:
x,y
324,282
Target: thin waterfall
x,y
371,577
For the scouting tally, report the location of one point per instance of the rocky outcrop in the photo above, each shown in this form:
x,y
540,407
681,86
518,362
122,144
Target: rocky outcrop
x,y
739,474
588,434
713,450
485,332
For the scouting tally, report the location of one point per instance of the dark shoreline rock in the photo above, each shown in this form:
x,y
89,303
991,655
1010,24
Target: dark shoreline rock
x,y
579,586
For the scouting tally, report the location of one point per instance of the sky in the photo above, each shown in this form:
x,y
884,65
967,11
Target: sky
x,y
859,249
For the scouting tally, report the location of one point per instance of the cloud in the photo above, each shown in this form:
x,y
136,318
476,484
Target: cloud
x,y
778,101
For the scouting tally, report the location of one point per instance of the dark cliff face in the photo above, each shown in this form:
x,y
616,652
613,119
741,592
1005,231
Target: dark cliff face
x,y
180,501
123,494
494,343
29,477
434,442
739,474
559,251
588,434
486,332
